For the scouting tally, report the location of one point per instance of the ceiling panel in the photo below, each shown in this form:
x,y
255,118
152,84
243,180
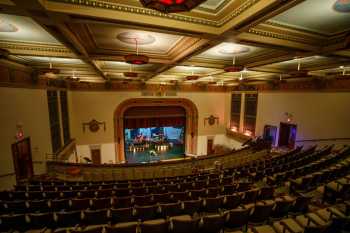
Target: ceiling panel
x,y
229,50
317,16
111,38
23,29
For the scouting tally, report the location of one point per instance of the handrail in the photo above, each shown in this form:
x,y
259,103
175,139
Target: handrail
x,y
161,162
61,151
323,140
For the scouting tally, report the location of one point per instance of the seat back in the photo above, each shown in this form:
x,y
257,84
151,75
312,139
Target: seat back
x,y
123,215
68,219
262,211
237,217
154,226
95,217
211,223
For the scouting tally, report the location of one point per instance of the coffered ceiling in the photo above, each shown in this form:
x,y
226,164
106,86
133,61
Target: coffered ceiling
x,y
88,39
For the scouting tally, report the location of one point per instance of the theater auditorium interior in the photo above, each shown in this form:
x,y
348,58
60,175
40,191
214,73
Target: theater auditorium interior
x,y
175,116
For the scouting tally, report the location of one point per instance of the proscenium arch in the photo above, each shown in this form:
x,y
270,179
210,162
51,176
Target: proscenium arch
x,y
191,121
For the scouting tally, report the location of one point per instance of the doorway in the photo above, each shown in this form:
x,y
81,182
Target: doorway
x,y
270,133
210,145
96,156
22,159
287,135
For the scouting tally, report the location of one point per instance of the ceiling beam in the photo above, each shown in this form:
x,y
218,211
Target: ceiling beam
x,y
53,24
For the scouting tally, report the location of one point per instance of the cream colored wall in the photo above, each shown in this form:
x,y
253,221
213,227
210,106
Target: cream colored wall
x,y
28,107
101,106
317,115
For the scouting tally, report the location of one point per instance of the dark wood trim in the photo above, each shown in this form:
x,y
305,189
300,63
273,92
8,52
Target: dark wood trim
x,y
7,174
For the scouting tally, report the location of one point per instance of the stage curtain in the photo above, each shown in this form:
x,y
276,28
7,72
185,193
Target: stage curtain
x,y
134,123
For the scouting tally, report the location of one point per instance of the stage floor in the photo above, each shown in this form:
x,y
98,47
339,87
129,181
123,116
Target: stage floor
x,y
175,152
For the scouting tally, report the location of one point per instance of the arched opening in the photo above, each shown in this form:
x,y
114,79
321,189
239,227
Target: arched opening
x,y
143,112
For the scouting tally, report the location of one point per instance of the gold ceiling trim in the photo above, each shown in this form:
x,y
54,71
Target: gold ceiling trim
x,y
36,49
284,26
144,11
281,35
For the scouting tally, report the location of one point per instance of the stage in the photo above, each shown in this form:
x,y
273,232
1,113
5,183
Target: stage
x,y
145,145
176,152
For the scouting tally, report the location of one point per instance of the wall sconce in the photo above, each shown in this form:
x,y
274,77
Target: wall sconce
x,y
211,120
248,133
234,129
94,126
289,117
19,132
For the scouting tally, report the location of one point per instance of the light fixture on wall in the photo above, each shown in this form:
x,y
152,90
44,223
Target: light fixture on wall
x,y
289,117
248,133
19,132
171,6
234,129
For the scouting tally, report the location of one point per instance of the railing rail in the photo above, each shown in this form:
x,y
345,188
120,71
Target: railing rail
x,y
323,140
59,155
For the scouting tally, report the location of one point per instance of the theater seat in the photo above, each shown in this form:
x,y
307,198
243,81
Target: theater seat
x,y
183,224
211,223
236,218
262,229
126,227
154,226
88,229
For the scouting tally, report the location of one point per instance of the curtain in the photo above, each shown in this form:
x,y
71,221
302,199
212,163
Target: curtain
x,y
134,123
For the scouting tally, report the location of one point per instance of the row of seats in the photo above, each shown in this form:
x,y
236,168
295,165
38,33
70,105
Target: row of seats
x,y
172,187
33,195
236,220
242,214
249,196
215,195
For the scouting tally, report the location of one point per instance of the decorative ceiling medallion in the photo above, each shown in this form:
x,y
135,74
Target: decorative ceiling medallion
x,y
192,77
171,6
233,50
233,68
342,6
136,59
7,27
141,37
130,74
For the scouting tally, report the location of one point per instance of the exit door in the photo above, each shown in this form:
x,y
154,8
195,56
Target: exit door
x,y
287,135
22,159
210,145
96,156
